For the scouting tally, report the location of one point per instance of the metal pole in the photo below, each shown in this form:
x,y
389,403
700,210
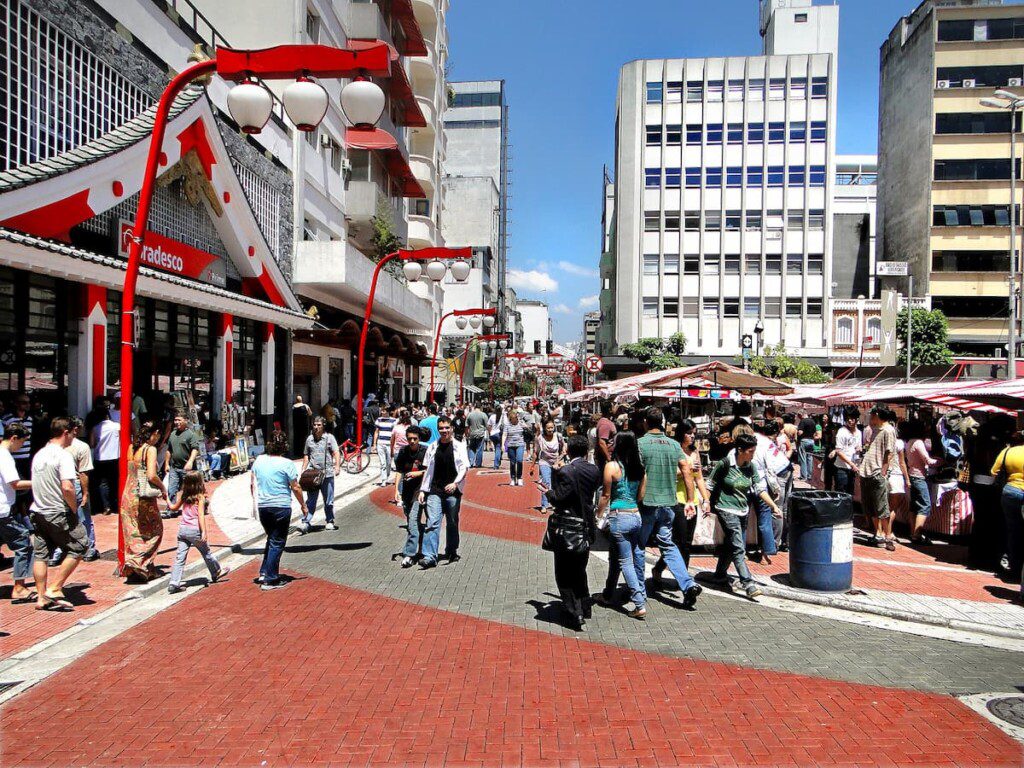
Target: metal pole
x,y
433,359
910,324
360,363
1011,356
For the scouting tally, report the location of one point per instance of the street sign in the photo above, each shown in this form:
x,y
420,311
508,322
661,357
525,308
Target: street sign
x,y
570,367
594,364
892,269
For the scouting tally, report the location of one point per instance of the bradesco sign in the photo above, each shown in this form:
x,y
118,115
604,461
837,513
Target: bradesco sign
x,y
167,255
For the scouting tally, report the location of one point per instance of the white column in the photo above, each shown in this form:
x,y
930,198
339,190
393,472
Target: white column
x,y
223,364
267,369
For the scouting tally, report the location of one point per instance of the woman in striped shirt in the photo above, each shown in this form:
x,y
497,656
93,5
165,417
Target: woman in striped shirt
x,y
383,428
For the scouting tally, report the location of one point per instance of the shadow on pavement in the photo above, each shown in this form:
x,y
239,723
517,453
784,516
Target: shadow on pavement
x,y
552,613
311,548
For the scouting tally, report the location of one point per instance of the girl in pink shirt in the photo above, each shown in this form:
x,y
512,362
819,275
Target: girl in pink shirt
x,y
918,463
192,530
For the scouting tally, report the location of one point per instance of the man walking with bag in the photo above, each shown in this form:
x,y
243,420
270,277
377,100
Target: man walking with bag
x,y
321,461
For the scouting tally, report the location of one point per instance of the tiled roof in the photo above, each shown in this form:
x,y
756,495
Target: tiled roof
x,y
132,132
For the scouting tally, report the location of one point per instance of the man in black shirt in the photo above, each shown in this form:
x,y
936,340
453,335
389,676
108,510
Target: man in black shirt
x,y
446,464
410,464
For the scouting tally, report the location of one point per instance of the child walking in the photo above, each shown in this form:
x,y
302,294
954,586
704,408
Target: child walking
x,y
192,530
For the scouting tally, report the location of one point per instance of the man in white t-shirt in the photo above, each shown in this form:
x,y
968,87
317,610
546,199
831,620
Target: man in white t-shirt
x,y
82,455
55,516
14,529
106,445
849,446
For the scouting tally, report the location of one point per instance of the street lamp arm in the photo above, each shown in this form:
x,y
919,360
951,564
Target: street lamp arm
x,y
284,62
362,342
433,357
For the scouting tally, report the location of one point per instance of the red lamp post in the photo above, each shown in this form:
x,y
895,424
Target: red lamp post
x,y
251,106
413,267
491,338
485,314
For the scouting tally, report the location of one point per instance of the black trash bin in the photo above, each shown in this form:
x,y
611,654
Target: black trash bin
x,y
821,540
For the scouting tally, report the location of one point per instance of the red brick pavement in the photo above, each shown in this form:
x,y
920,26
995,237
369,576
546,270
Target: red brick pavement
x,y
322,674
493,508
93,587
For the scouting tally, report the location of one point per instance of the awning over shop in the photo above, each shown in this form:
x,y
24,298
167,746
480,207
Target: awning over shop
x,y
399,87
966,396
714,375
472,388
386,147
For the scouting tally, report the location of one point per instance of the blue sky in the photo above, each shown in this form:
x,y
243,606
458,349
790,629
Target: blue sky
x,y
561,59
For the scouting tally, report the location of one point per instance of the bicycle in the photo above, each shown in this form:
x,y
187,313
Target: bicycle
x,y
354,458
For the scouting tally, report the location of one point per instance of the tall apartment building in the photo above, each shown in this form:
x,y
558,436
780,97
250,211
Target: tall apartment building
x,y
944,161
722,212
591,324
537,334
348,190
605,341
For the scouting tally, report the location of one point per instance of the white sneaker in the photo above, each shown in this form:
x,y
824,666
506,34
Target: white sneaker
x,y
302,530
331,527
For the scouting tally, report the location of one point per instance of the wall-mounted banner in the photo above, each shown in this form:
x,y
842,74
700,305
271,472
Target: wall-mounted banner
x,y
168,255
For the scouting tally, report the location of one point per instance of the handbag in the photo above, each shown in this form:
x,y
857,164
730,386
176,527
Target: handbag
x,y
565,535
312,478
145,489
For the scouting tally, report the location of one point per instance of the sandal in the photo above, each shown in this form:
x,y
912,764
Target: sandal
x,y
890,544
31,597
57,606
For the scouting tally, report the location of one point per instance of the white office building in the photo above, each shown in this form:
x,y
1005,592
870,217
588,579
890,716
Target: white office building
x,y
723,191
536,321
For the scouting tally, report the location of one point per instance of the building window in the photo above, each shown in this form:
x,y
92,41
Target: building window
x,y
795,220
690,307
674,92
816,219
670,307
735,90
797,175
773,265
716,89
691,264
714,178
752,307
844,332
714,133
798,131
971,216
794,307
973,170
693,178
818,131
755,133
673,178
730,308
709,308
712,221
735,133
734,177
776,175
694,91
491,99
815,264
978,76
873,332
974,122
654,93
819,87
651,264
652,178
777,89
817,176
775,220
755,176
970,261
732,265
798,88
653,134
712,264
755,90
673,135
752,264
800,18
776,133
652,221
794,264
694,134
670,264
755,219
772,306
651,306
337,154
733,221
421,207
312,27
691,221
672,222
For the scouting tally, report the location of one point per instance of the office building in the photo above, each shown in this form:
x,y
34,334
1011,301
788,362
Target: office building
x,y
723,188
536,320
591,324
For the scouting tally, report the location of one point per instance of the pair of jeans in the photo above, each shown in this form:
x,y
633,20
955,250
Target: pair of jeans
x,y
216,462
17,535
496,443
627,556
326,490
768,528
1012,502
844,479
476,452
174,480
515,461
804,451
571,578
85,518
384,454
189,536
412,539
659,520
275,522
734,547
438,505
545,477
106,475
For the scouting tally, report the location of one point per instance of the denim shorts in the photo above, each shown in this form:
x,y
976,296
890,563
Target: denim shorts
x,y
920,498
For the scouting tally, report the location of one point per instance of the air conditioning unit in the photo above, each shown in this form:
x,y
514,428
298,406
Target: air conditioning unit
x,y
325,140
1015,82
943,85
346,165
970,83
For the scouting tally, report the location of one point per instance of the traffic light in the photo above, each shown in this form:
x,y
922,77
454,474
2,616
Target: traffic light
x,y
550,346
536,347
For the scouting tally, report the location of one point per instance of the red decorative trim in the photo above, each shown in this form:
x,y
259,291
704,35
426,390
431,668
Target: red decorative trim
x,y
194,137
99,361
95,295
227,196
55,219
252,250
117,188
162,159
286,62
268,332
263,285
227,323
229,370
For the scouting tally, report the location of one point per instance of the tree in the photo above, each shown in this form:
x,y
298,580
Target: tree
x,y
658,354
385,240
777,363
929,342
504,389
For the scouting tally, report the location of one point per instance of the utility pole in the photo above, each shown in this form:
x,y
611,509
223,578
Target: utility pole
x,y
910,324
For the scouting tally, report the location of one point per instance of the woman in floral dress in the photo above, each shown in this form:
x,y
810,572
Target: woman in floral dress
x,y
140,514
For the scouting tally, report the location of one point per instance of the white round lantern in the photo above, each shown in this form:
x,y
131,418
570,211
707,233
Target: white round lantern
x,y
436,270
250,105
460,270
412,270
363,102
306,103
461,323
492,344
475,323
488,321
503,343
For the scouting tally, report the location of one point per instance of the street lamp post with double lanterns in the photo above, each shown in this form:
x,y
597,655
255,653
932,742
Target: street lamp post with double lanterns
x,y
492,341
250,105
463,317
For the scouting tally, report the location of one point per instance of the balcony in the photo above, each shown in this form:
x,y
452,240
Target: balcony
x,y
424,71
429,18
425,170
429,109
363,201
366,23
423,232
337,274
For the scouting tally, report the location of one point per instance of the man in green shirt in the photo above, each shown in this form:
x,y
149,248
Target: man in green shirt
x,y
663,459
182,452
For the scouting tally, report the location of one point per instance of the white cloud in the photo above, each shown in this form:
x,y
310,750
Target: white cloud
x,y
531,281
576,269
589,301
562,309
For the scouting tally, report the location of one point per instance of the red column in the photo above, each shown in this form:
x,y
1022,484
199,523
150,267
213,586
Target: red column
x,y
227,331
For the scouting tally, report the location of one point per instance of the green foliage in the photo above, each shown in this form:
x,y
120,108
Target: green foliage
x,y
385,240
777,363
929,342
505,389
658,354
